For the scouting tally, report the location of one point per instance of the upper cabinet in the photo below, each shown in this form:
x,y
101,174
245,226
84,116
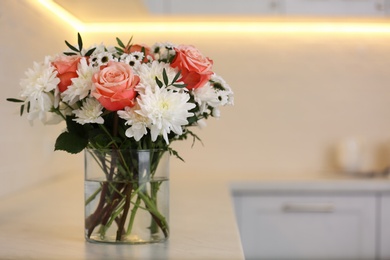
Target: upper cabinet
x,y
345,8
131,10
310,8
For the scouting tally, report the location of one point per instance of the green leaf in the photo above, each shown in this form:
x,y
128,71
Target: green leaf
x,y
165,77
195,137
120,43
119,50
175,153
70,53
179,85
71,46
71,143
89,53
74,127
128,43
15,100
176,77
21,109
159,83
74,140
171,58
80,42
192,120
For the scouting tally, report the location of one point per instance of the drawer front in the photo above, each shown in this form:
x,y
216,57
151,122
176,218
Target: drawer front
x,y
385,227
308,227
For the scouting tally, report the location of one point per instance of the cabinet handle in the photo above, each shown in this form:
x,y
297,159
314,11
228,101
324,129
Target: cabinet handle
x,y
313,208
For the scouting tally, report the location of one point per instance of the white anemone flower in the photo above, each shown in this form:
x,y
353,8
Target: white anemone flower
x,y
98,48
224,91
101,55
148,72
40,89
82,85
89,112
214,94
167,110
134,59
137,122
163,51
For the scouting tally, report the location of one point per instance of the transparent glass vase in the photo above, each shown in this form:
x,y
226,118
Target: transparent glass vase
x,y
126,196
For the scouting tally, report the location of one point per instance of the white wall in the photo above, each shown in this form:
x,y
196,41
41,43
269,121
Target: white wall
x,y
296,96
27,35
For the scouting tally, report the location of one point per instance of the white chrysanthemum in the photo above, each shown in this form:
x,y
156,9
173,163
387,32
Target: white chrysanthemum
x,y
40,89
148,72
167,110
137,122
82,85
163,51
89,112
205,96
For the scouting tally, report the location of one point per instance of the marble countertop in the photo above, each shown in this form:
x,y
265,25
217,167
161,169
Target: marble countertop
x,y
307,183
46,222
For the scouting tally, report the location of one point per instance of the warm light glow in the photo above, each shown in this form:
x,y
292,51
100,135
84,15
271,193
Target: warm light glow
x,y
243,27
63,14
246,26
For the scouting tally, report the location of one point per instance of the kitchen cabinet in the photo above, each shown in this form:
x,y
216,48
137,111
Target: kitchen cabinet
x,y
339,8
304,222
384,228
335,7
225,7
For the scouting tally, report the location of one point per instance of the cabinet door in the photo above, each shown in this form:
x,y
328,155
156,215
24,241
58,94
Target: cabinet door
x,y
354,8
308,227
224,7
384,229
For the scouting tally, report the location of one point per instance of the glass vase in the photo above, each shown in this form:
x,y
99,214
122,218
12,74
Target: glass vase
x,y
126,196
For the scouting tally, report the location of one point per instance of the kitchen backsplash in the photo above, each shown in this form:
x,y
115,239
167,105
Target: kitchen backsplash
x,y
297,97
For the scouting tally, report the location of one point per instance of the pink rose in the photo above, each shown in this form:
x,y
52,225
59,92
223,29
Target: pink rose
x,y
67,69
114,85
195,68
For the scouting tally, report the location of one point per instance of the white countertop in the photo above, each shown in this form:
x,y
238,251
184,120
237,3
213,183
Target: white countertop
x,y
46,222
333,183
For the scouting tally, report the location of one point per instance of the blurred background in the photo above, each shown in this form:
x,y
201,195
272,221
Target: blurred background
x,y
304,99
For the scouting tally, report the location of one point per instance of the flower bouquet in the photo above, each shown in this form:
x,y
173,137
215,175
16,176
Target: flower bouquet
x,y
124,106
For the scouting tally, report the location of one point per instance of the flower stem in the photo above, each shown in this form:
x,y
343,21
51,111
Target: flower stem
x,y
93,220
126,207
156,215
132,216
